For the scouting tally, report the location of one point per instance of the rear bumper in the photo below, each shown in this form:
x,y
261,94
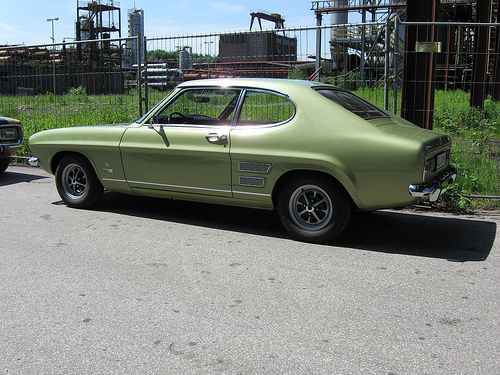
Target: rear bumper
x,y
431,190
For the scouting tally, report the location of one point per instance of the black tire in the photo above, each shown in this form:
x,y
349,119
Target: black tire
x,y
4,163
77,182
314,209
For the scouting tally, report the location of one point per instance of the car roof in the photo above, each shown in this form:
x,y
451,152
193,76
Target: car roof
x,y
263,83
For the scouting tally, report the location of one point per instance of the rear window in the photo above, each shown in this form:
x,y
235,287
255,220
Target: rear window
x,y
353,103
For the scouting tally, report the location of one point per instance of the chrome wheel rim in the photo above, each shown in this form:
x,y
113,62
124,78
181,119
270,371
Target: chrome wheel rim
x,y
310,207
74,181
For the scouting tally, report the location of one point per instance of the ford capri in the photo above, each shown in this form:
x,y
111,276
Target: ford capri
x,y
309,150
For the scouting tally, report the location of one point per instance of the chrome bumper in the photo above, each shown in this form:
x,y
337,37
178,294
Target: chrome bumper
x,y
33,161
431,190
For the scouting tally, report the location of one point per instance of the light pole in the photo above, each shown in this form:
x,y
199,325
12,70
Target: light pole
x,y
53,52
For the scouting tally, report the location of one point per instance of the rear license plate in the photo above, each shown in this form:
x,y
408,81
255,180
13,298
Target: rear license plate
x,y
441,160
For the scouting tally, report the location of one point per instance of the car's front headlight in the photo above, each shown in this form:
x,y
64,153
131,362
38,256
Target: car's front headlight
x,y
8,134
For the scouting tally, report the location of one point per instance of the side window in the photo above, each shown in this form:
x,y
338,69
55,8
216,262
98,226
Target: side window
x,y
200,107
260,108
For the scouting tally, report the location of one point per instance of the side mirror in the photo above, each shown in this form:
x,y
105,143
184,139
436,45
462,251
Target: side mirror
x,y
153,120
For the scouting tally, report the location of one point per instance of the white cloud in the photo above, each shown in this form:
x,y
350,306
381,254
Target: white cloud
x,y
4,28
228,7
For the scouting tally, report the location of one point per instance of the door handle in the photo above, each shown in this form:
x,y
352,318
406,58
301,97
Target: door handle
x,y
216,138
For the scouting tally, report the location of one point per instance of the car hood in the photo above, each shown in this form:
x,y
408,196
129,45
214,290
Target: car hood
x,y
105,135
8,120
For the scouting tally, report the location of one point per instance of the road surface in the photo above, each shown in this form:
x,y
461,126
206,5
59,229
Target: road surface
x,y
151,286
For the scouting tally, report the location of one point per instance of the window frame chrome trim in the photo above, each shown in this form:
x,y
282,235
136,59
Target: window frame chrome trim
x,y
241,102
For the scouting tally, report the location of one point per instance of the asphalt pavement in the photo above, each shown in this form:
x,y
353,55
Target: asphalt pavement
x,y
150,286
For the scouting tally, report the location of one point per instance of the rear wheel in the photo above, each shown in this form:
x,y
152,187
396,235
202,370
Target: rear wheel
x,y
314,209
77,182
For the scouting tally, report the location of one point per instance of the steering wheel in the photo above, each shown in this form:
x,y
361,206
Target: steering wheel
x,y
176,114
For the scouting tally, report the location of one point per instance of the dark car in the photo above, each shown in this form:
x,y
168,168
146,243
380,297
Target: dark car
x,y
11,137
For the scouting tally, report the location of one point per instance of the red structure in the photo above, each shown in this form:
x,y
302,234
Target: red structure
x,y
275,17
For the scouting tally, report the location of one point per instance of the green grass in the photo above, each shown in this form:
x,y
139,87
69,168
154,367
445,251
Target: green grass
x,y
43,112
452,113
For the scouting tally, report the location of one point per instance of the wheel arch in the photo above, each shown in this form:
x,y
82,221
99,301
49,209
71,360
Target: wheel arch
x,y
288,176
56,159
76,180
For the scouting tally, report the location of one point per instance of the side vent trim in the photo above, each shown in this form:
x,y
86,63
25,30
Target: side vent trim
x,y
252,181
244,166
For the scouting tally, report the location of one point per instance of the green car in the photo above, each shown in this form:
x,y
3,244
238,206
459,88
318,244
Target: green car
x,y
309,150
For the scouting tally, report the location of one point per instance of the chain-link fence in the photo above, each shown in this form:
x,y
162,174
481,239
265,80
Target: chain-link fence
x,y
438,75
295,53
68,84
451,79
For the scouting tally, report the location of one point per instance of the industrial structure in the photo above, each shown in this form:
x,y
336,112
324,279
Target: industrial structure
x,y
453,65
135,19
98,20
99,65
378,49
265,46
450,54
279,21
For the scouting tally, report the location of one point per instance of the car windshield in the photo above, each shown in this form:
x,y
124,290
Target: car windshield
x,y
353,103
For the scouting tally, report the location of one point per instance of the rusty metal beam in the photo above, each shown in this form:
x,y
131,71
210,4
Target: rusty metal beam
x,y
495,92
279,21
479,85
417,102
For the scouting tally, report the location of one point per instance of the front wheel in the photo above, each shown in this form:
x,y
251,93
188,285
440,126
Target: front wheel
x,y
4,163
77,182
314,209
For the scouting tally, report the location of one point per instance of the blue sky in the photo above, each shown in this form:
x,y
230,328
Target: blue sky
x,y
25,21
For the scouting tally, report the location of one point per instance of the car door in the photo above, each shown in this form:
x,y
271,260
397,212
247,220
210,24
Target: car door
x,y
184,147
263,146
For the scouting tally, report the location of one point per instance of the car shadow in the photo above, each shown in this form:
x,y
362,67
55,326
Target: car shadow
x,y
11,178
446,237
238,219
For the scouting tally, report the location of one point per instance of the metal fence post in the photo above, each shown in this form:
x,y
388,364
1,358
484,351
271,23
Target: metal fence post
x,y
363,41
139,73
318,44
395,59
146,95
386,62
478,89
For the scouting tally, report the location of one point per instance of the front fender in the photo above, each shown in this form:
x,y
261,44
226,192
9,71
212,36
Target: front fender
x,y
98,144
